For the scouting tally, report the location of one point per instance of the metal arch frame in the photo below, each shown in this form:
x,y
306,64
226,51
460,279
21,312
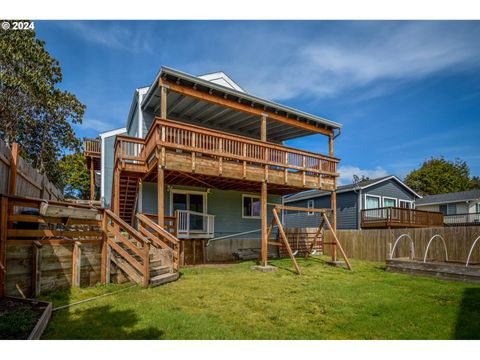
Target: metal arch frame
x,y
471,250
428,246
412,248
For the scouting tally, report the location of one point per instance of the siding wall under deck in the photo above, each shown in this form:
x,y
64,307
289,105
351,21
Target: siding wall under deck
x,y
347,212
226,205
108,171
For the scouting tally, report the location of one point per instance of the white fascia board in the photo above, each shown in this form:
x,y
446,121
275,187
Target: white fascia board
x,y
112,132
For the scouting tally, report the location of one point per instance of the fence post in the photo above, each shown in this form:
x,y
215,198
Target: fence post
x,y
12,187
36,268
76,263
3,243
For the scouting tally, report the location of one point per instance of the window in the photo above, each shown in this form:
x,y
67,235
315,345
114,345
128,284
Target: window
x,y
389,202
372,202
406,204
448,209
310,205
251,206
478,208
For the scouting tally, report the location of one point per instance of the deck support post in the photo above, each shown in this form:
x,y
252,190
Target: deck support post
x,y
76,263
160,196
92,180
163,101
333,202
263,215
263,127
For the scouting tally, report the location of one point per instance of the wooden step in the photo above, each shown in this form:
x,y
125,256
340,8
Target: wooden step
x,y
159,270
163,279
128,269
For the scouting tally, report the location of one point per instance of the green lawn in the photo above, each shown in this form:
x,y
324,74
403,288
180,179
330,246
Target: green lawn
x,y
233,302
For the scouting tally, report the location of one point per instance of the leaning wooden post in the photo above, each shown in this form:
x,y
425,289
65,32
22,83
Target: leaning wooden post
x,y
160,196
263,215
333,201
76,263
146,264
36,268
12,186
3,243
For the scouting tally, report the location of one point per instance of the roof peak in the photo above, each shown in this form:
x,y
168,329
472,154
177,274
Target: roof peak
x,y
221,78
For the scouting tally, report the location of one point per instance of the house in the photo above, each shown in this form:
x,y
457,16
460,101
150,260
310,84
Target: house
x,y
201,153
353,200
458,208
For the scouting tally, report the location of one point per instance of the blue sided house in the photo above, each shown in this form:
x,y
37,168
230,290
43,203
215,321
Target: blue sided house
x,y
207,161
372,196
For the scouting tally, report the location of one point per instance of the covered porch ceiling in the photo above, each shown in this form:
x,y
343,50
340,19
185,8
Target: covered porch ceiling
x,y
212,114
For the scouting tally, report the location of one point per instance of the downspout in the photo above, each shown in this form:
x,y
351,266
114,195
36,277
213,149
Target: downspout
x,y
359,211
140,135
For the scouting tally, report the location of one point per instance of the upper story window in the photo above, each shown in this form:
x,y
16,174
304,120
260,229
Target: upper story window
x,y
251,206
372,202
406,204
310,205
389,202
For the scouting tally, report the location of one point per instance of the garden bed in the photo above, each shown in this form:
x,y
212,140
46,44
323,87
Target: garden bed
x,y
23,319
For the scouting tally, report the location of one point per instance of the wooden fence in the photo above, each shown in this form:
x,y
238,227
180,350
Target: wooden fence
x,y
40,253
374,245
18,177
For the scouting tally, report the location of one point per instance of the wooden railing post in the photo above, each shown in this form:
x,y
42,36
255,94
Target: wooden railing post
x,y
36,274
12,187
76,263
104,259
146,264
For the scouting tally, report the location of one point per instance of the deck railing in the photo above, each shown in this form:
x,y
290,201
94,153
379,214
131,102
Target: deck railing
x,y
191,224
91,147
462,219
400,217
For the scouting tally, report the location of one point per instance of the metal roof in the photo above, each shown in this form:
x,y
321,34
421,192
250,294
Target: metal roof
x,y
450,197
364,184
255,101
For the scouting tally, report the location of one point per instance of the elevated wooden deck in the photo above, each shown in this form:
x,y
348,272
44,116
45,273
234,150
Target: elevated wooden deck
x,y
395,217
192,155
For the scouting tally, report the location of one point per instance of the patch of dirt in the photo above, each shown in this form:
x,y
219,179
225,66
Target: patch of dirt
x,y
18,317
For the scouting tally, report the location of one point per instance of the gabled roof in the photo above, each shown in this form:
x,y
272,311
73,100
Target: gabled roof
x,y
361,185
240,95
223,79
470,195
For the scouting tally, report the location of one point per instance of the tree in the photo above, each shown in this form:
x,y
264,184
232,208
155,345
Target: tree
x,y
33,111
438,175
75,176
475,182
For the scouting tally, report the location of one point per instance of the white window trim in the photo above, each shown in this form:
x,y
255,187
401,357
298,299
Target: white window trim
x,y
369,195
412,204
250,196
389,198
312,206
181,191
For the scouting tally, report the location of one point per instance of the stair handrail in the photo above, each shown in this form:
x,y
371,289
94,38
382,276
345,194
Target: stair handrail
x,y
164,234
143,253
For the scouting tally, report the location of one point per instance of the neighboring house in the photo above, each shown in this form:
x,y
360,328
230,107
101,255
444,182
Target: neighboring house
x,y
202,149
388,191
458,208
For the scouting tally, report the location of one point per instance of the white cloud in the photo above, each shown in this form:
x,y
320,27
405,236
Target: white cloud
x,y
347,172
359,56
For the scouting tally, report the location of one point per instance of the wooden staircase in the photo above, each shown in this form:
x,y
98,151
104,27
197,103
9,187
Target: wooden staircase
x,y
149,257
128,192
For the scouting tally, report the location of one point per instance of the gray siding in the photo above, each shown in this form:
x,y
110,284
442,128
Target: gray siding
x,y
347,212
347,205
390,188
225,205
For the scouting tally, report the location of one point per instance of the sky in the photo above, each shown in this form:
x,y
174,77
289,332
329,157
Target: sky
x,y
404,91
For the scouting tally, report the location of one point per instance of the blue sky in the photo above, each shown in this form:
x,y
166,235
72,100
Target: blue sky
x,y
404,91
